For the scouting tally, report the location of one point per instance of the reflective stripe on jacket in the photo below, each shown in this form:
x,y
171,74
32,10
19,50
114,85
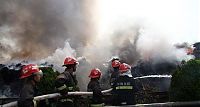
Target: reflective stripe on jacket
x,y
66,81
124,87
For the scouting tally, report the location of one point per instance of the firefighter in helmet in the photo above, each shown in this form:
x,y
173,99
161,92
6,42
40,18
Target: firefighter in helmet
x,y
115,71
67,82
94,87
31,75
124,86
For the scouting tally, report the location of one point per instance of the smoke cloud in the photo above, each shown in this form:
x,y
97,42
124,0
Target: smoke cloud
x,y
34,29
50,30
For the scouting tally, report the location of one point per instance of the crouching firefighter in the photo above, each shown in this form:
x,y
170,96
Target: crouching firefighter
x,y
30,75
124,87
67,82
94,86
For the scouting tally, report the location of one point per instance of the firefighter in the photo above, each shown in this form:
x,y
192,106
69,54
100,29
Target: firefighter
x,y
67,82
31,76
123,86
115,72
94,87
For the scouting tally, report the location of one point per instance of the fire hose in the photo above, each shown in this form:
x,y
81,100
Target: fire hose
x,y
54,95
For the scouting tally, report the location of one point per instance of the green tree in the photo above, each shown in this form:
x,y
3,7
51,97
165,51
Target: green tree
x,y
47,83
185,82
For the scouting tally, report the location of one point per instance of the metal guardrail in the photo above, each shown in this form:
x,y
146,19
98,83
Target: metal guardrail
x,y
4,100
167,104
48,96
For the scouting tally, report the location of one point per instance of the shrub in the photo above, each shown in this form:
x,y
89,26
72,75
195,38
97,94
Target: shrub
x,y
46,84
185,83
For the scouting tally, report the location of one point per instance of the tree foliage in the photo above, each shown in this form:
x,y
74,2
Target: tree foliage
x,y
185,83
47,83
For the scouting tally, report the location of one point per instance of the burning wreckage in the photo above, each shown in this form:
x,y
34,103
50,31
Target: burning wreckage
x,y
152,79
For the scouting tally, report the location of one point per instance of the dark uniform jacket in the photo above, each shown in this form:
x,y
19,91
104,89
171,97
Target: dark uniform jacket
x,y
114,75
123,90
66,82
27,94
94,87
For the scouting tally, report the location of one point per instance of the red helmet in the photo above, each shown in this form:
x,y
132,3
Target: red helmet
x,y
70,61
124,68
95,73
115,63
29,70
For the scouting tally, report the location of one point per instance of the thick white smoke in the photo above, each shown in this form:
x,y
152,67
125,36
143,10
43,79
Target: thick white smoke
x,y
151,24
60,54
34,29
97,30
57,58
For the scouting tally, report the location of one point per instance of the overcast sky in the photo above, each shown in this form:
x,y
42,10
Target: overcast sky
x,y
179,20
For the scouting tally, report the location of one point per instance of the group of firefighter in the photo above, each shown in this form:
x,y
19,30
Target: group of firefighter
x,y
121,81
